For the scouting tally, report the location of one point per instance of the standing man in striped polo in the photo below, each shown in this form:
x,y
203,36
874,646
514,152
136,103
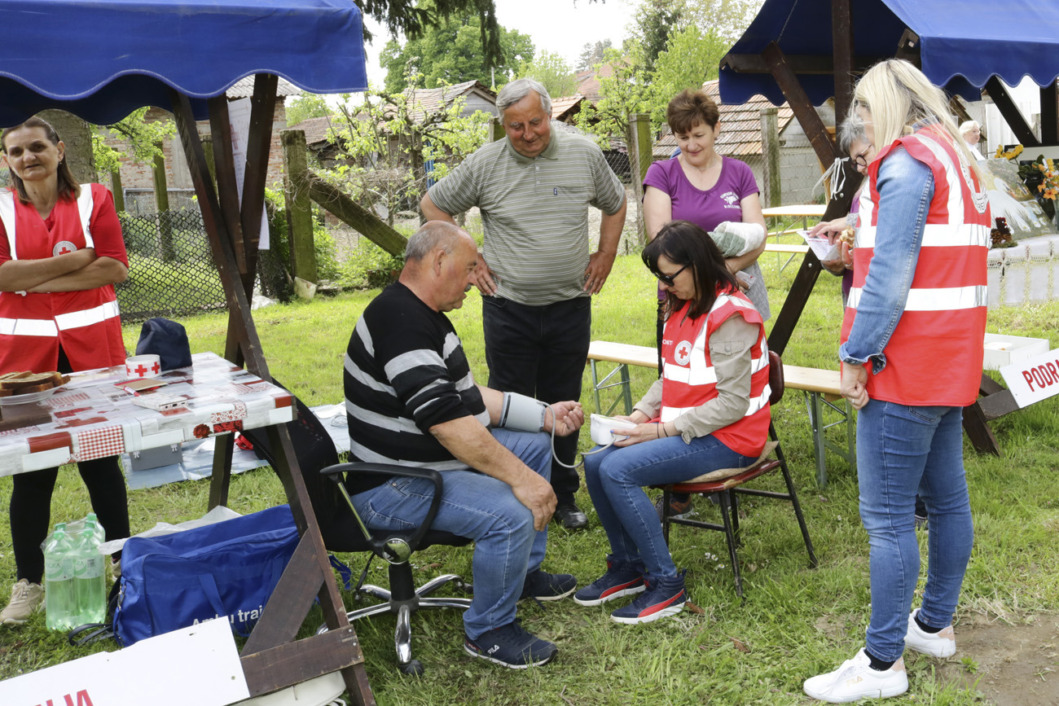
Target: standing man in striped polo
x,y
536,271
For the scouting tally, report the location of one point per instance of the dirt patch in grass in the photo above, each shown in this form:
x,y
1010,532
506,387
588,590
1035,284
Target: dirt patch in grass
x,y
1013,665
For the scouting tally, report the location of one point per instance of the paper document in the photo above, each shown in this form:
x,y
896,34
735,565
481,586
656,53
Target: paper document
x,y
823,250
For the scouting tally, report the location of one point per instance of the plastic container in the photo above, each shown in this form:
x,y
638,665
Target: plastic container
x,y
89,578
60,591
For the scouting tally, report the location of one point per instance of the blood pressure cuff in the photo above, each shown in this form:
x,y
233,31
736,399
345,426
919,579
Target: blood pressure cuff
x,y
522,413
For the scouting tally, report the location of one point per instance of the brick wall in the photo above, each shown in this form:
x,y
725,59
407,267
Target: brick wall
x,y
137,175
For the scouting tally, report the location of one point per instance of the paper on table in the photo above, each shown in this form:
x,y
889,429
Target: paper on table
x,y
823,250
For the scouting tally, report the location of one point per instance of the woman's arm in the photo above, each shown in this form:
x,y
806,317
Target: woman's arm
x,y
657,210
905,187
28,275
751,210
730,348
100,272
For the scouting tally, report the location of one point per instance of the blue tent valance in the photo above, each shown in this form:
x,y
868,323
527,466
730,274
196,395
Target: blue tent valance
x,y
102,59
962,43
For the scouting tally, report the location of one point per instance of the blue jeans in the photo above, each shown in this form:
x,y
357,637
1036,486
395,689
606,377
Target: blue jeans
x,y
615,478
483,508
902,450
540,351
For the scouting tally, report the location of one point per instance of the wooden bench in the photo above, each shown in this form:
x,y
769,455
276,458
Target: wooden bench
x,y
821,388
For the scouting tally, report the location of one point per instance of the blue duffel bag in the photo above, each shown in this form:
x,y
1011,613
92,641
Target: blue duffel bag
x,y
228,569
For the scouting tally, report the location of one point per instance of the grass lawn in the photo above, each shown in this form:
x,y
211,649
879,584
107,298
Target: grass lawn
x,y
795,622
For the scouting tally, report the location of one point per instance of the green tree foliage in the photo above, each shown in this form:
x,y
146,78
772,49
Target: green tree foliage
x,y
592,54
452,53
726,19
387,142
690,59
553,72
647,74
305,106
654,22
144,139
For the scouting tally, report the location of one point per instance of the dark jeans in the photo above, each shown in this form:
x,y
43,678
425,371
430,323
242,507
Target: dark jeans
x,y
540,351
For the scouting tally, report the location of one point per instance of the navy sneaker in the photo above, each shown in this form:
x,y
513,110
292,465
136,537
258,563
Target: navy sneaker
x,y
511,646
662,598
621,579
547,587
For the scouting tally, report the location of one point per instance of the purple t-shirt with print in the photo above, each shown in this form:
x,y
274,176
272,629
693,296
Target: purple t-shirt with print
x,y
706,209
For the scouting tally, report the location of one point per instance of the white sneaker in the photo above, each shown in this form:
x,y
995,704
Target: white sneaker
x,y
26,597
856,680
936,644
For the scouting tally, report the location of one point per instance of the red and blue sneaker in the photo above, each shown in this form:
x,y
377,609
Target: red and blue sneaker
x,y
621,579
663,597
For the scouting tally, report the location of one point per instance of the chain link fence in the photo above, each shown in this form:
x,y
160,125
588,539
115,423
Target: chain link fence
x,y
171,268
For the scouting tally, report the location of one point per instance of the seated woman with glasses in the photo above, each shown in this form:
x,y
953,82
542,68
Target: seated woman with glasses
x,y
708,411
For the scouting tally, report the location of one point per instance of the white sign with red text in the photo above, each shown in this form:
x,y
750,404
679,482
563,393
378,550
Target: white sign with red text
x,y
1033,379
196,666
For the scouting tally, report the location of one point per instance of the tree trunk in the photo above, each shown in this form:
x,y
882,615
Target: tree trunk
x,y
76,134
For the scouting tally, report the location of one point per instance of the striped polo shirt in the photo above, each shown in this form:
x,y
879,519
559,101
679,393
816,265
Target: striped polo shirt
x,y
534,212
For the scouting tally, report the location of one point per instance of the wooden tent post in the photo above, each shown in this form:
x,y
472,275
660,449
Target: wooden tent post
x,y
271,658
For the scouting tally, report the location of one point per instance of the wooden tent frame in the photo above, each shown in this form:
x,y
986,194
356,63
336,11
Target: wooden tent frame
x,y
995,400
271,658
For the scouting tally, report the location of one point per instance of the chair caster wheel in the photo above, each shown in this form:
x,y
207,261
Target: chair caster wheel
x,y
413,668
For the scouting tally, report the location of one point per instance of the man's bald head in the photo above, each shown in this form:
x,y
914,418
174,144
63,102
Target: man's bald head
x,y
439,265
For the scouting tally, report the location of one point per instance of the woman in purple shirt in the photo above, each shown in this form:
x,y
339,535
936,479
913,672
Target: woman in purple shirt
x,y
707,189
703,187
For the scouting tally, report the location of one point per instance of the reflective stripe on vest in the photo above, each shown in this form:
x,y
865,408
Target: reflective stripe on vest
x,y
62,322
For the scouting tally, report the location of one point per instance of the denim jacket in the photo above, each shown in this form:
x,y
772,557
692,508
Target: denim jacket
x,y
906,187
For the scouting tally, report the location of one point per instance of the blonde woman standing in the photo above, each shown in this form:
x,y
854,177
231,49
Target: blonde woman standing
x,y
911,360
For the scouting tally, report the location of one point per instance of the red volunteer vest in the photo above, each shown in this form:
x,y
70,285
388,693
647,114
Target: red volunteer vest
x,y
934,356
33,326
690,380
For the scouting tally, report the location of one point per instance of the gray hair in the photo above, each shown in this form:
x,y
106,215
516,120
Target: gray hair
x,y
429,236
851,130
518,89
968,125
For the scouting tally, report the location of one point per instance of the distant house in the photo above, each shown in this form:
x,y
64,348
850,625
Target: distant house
x,y
741,138
137,178
564,109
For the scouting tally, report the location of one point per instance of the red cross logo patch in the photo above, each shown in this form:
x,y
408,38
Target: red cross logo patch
x,y
682,352
63,247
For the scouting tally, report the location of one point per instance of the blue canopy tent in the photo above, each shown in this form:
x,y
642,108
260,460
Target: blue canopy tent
x,y
806,51
102,59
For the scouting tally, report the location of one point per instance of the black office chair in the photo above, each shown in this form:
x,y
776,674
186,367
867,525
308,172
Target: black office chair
x,y
344,531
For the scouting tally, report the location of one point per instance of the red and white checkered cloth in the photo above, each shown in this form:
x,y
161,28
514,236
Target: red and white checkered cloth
x,y
99,443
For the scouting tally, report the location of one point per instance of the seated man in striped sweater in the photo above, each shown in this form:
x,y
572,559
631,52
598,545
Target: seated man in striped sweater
x,y
411,400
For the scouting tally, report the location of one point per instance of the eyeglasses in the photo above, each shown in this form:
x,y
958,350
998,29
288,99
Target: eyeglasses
x,y
861,160
668,279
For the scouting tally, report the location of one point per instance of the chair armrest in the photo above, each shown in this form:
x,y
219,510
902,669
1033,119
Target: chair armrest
x,y
380,546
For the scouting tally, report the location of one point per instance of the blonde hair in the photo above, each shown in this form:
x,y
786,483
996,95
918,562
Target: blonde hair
x,y
899,97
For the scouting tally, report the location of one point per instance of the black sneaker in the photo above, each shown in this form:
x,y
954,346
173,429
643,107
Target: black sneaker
x,y
511,646
570,516
547,587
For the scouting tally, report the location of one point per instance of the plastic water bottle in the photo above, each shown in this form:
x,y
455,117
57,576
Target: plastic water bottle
x,y
89,578
60,596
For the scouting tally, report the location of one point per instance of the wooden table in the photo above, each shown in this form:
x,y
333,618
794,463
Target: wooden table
x,y
95,416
